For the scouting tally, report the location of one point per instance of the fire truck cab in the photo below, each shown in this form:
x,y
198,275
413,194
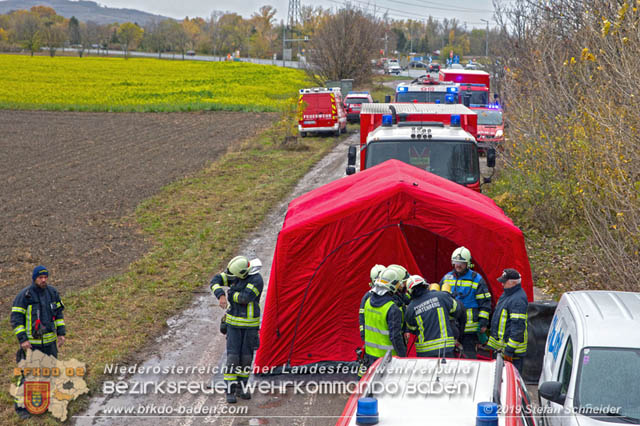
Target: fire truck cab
x,y
437,138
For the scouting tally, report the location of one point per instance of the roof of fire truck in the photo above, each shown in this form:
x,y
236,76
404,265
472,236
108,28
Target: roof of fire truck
x,y
416,108
420,131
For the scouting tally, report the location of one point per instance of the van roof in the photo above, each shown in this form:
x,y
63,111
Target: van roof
x,y
606,316
418,107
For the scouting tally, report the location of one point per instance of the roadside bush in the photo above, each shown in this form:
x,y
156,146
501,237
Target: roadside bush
x,y
573,157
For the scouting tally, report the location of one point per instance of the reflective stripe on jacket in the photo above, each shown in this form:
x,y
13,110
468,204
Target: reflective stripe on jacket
x,y
472,291
376,329
428,317
37,315
243,297
509,329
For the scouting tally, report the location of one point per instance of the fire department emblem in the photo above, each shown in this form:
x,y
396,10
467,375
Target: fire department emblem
x,y
36,397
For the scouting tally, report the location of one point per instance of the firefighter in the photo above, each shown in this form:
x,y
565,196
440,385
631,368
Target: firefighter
x,y
429,317
401,295
509,324
37,319
242,322
373,275
469,288
381,323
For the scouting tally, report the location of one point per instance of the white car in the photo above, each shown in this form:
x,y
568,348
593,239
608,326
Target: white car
x,y
591,368
392,66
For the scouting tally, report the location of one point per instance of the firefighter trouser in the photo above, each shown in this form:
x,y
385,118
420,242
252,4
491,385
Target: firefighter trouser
x,y
241,342
469,342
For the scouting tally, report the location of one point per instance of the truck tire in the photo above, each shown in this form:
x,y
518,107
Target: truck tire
x,y
303,134
337,132
344,130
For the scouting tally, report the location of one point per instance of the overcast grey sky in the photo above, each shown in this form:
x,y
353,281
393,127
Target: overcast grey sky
x,y
470,11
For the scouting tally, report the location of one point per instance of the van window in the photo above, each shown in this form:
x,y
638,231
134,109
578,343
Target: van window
x,y
609,378
318,101
565,367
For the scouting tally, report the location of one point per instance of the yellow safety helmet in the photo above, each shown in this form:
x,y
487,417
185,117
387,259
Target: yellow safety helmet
x,y
434,287
238,267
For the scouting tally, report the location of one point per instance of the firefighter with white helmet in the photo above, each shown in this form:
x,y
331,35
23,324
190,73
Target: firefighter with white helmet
x,y
469,288
429,318
381,320
242,321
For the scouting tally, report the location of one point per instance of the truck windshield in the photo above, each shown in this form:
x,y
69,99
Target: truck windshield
x,y
421,97
356,101
609,383
489,117
453,160
477,97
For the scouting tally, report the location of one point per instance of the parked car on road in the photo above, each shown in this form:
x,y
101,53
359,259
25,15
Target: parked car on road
x,y
392,66
323,111
417,65
353,103
591,368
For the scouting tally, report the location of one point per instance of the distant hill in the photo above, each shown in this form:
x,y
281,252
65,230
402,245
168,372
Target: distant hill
x,y
84,11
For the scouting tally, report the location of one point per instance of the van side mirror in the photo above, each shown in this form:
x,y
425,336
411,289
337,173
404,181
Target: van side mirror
x,y
351,155
506,125
552,391
466,99
491,157
351,170
387,99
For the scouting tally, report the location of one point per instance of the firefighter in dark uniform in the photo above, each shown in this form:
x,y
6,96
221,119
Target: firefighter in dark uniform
x,y
469,288
37,319
381,323
429,317
242,322
509,324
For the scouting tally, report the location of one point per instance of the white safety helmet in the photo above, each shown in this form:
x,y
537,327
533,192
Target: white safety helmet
x,y
387,281
375,273
414,281
461,255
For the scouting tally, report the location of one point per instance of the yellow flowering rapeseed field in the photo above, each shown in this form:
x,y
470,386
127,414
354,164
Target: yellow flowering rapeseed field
x,y
116,84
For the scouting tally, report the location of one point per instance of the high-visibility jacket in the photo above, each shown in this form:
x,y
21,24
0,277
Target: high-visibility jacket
x,y
381,323
509,324
243,297
37,315
428,317
470,289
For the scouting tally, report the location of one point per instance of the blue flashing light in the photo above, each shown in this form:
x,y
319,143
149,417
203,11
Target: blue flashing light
x,y
367,412
387,120
487,414
455,120
452,90
450,98
437,101
402,89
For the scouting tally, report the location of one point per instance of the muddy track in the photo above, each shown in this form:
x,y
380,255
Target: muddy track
x,y
69,179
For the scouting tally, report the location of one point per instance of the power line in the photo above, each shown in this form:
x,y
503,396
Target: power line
x,y
446,9
404,14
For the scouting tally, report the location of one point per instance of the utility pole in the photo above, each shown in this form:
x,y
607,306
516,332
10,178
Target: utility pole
x,y
486,43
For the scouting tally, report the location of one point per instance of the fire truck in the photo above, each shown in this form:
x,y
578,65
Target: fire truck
x,y
426,89
465,77
440,139
323,111
490,126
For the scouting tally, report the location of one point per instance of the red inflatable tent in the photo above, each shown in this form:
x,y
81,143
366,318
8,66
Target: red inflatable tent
x,y
333,235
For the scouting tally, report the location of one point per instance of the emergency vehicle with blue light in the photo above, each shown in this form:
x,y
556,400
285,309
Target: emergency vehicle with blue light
x,y
426,89
437,138
490,126
320,110
434,391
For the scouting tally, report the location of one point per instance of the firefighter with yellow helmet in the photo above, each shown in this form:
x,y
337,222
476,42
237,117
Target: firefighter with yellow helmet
x,y
469,288
429,317
381,320
242,321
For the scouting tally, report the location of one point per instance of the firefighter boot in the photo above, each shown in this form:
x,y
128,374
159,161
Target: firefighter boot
x,y
243,389
231,393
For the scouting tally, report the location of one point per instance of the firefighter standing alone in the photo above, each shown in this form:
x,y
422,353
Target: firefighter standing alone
x,y
242,321
37,319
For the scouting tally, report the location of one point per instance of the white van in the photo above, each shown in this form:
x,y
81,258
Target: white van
x,y
591,368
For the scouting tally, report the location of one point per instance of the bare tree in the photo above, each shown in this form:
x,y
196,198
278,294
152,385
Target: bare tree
x,y
344,46
27,28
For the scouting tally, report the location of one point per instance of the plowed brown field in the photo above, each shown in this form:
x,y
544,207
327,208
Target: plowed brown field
x,y
69,183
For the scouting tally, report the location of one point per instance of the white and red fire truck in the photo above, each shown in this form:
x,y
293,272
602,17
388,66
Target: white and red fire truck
x,y
440,139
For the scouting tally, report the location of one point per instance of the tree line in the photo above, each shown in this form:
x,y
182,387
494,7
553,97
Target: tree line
x,y
222,33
